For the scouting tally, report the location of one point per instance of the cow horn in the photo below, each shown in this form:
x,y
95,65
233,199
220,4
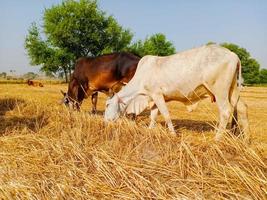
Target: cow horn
x,y
64,93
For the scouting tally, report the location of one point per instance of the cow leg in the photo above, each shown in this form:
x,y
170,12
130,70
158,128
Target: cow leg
x,y
221,89
234,96
241,109
94,102
243,119
132,116
153,116
160,103
225,110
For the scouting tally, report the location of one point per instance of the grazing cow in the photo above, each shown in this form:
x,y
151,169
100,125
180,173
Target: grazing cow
x,y
34,83
106,73
186,77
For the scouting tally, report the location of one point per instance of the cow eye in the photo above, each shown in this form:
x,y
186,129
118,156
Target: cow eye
x,y
107,102
66,100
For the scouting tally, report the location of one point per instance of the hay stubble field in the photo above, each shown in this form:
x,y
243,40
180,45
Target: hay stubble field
x,y
48,152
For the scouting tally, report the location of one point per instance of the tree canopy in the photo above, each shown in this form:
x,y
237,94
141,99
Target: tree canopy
x,y
263,76
83,29
250,66
52,59
156,44
71,30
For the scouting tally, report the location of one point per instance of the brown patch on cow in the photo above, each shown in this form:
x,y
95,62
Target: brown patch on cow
x,y
106,73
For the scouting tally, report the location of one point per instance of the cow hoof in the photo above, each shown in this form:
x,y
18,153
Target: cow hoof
x,y
93,112
131,117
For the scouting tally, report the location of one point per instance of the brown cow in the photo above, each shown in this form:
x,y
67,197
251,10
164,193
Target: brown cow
x,y
106,73
34,83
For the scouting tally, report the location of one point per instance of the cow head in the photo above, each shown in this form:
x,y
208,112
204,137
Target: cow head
x,y
69,101
114,107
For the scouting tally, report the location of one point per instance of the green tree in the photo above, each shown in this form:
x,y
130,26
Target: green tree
x,y
51,59
73,29
137,48
83,29
250,66
37,49
210,43
157,44
263,76
59,60
50,74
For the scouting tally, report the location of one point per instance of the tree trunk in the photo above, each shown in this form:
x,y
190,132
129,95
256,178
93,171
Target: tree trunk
x,y
66,74
69,69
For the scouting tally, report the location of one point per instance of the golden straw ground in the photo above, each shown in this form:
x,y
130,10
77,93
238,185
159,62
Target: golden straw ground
x,y
48,152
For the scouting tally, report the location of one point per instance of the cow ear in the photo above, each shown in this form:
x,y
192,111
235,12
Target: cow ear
x,y
60,102
64,93
119,99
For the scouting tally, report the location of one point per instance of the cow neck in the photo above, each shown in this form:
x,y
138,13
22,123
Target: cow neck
x,y
70,96
84,91
126,95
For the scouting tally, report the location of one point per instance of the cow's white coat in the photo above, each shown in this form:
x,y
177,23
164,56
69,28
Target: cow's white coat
x,y
186,77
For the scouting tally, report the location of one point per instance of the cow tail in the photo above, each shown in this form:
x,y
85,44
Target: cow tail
x,y
234,124
239,74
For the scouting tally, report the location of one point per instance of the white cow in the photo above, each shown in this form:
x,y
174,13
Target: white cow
x,y
187,77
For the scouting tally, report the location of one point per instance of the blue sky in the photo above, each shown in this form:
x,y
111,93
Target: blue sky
x,y
187,23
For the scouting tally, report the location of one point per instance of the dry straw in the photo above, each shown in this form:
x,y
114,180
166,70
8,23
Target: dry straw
x,y
47,152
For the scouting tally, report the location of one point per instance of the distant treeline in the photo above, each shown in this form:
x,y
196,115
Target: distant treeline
x,y
4,78
23,81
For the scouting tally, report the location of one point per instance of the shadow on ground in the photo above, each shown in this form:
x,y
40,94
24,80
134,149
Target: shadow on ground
x,y
181,124
193,125
8,104
18,123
